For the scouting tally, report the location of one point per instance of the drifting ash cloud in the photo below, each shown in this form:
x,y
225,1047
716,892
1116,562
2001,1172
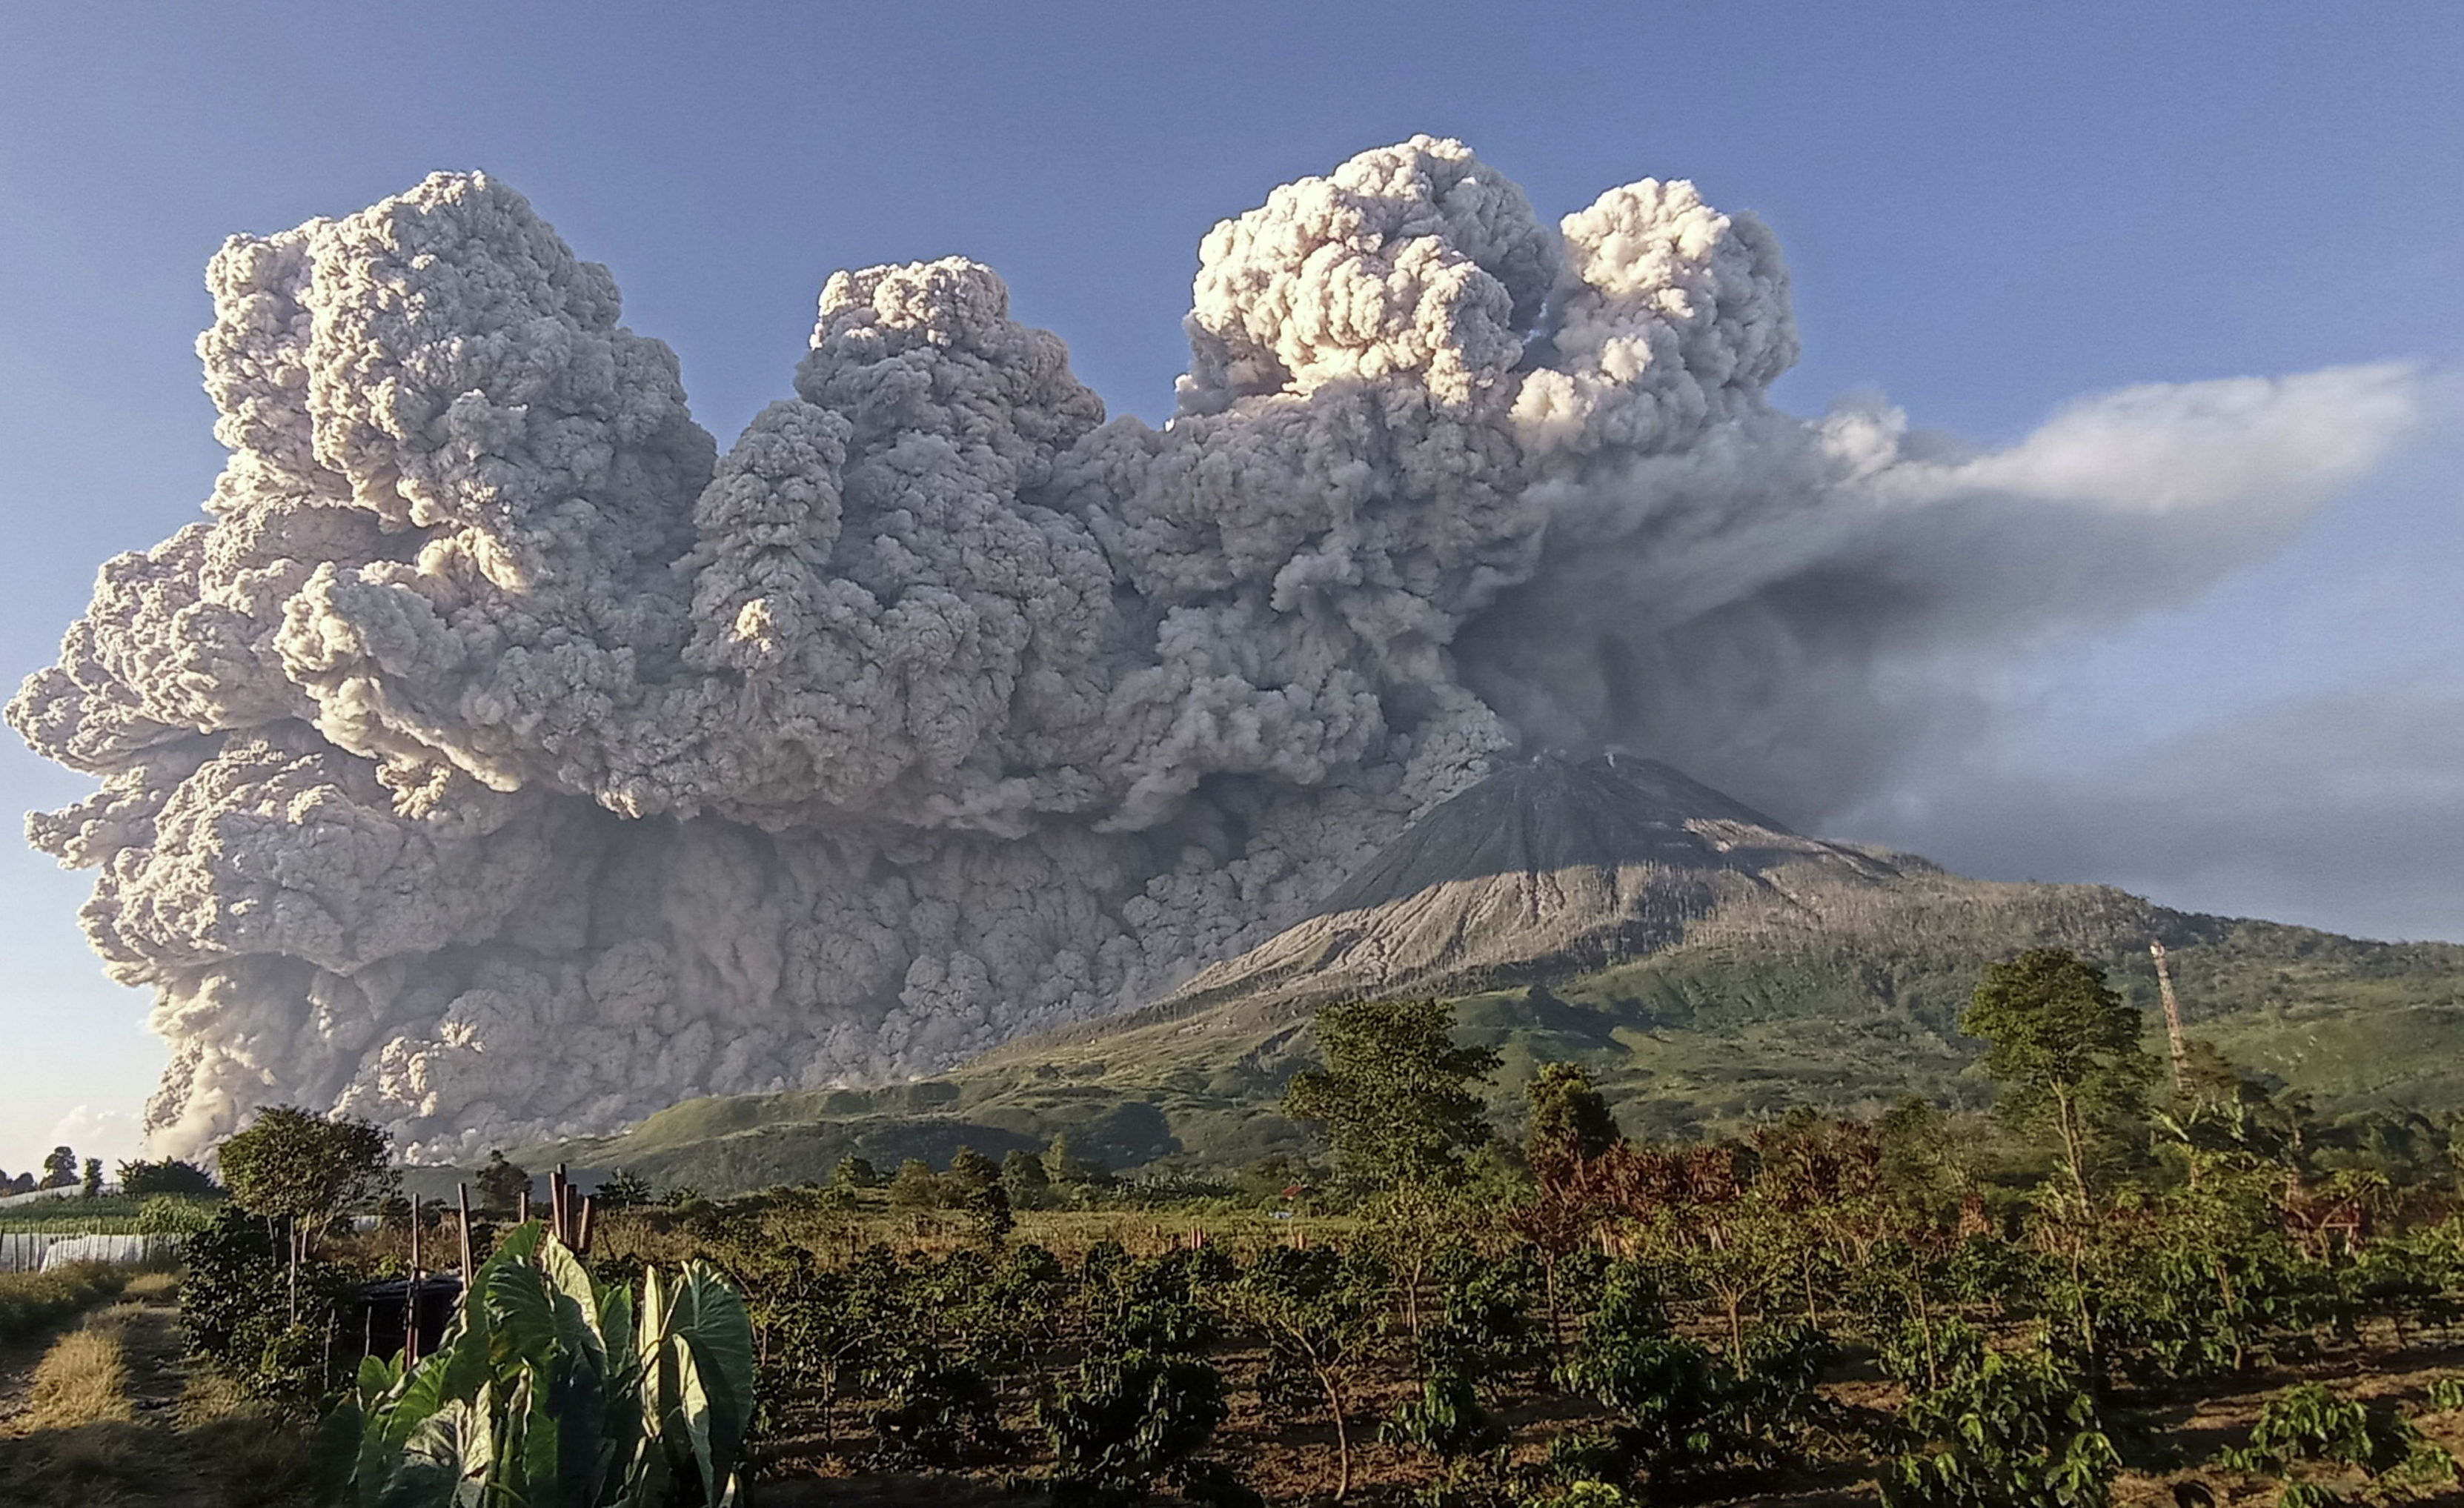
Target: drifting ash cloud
x,y
2344,808
499,758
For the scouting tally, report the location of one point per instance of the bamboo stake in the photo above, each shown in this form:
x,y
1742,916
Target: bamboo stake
x,y
462,1193
582,1240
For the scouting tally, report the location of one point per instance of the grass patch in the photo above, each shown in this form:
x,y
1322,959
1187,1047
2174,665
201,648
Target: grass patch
x,y
83,1378
31,1300
152,1285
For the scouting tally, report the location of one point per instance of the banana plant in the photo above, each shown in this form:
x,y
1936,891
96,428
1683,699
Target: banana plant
x,y
548,1391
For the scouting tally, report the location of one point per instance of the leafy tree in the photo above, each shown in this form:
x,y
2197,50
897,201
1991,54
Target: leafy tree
x,y
915,1186
2065,1049
59,1169
1569,1113
141,1179
1395,1099
1922,1163
625,1189
853,1173
304,1170
91,1184
1024,1179
1065,1168
973,1187
502,1184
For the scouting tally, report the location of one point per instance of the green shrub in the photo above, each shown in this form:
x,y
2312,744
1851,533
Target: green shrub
x,y
171,1214
1446,1419
1683,1408
1128,1418
2313,1425
236,1307
2016,1431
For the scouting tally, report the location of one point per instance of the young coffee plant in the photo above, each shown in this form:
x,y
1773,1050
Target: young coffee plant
x,y
1145,1401
2017,1430
1319,1311
2312,1425
1126,1419
1446,1419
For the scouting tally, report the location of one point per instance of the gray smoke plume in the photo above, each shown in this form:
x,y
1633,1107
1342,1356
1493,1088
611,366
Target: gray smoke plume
x,y
498,759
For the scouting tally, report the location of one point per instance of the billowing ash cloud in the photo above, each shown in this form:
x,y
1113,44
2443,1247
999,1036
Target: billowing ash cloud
x,y
497,758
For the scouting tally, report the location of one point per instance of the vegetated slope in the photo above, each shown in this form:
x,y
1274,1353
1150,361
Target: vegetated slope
x,y
1710,966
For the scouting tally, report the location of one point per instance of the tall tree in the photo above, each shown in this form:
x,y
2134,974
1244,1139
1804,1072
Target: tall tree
x,y
59,1169
2065,1052
502,1184
142,1179
1395,1099
1568,1116
304,1170
973,1187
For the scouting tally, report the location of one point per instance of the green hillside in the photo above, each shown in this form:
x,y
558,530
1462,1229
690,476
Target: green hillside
x,y
1842,1002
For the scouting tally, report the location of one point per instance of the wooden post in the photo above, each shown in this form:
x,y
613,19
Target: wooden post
x,y
2172,1015
581,1237
410,1296
462,1195
525,1207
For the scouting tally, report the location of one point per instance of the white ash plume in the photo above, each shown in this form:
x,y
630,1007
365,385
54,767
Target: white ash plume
x,y
498,760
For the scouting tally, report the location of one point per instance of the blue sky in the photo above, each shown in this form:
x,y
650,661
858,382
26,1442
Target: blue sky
x,y
1987,211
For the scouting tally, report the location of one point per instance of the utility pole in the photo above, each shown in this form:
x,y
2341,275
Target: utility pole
x,y
2172,1015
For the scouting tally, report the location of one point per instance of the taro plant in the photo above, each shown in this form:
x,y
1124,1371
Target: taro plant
x,y
549,1390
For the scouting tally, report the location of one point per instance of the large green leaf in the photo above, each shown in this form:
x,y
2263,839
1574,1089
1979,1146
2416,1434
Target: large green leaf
x,y
692,1415
521,1308
710,1317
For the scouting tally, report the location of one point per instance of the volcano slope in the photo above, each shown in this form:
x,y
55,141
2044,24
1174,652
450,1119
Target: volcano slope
x,y
1710,966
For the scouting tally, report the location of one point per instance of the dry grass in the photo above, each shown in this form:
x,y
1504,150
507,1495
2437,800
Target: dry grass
x,y
83,1379
152,1286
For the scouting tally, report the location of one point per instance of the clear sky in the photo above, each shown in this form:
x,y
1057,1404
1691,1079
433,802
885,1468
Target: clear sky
x,y
1987,210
